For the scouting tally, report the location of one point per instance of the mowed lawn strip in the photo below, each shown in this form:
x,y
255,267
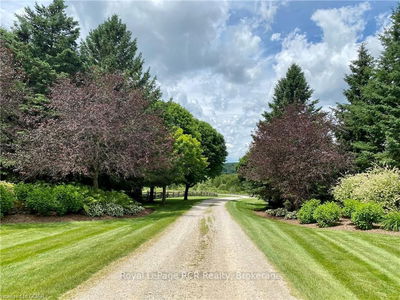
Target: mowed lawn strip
x,y
48,259
325,263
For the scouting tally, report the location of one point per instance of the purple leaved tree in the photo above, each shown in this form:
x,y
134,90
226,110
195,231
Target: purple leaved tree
x,y
100,126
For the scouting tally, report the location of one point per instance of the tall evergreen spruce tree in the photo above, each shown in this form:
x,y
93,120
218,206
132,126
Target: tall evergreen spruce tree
x,y
292,89
45,43
355,116
111,48
383,93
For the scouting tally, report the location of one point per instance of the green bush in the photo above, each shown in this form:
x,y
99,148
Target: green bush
x,y
133,209
327,214
366,214
70,197
7,197
291,215
306,212
94,209
349,206
42,200
22,190
113,209
392,221
380,184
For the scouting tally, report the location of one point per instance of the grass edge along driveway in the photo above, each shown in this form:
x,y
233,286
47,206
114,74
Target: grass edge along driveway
x,y
324,263
45,260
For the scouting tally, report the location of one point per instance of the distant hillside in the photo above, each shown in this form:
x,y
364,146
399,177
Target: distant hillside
x,y
229,168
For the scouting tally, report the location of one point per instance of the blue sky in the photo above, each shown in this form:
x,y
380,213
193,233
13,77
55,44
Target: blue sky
x,y
221,59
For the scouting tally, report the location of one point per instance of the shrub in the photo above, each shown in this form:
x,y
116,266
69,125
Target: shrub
x,y
70,197
94,209
133,209
380,184
306,212
291,215
277,212
7,197
22,190
42,200
113,210
366,214
349,206
327,214
392,221
119,198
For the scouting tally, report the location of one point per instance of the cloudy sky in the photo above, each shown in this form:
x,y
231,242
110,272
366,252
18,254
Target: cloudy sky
x,y
221,59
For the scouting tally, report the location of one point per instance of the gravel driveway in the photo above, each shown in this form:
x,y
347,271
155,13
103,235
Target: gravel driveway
x,y
203,255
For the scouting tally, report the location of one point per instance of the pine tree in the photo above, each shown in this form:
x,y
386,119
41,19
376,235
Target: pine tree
x,y
45,42
111,48
383,94
292,89
355,115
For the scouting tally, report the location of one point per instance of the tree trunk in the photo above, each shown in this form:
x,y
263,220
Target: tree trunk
x,y
164,196
96,179
151,194
185,197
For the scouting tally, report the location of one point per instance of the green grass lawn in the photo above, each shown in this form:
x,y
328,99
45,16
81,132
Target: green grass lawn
x,y
48,259
325,263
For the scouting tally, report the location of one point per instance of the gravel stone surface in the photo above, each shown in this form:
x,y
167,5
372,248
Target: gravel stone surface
x,y
203,255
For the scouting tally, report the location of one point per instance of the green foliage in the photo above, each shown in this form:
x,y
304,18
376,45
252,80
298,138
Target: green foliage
x,y
292,89
214,148
45,42
230,168
371,122
327,214
192,163
282,212
69,197
306,212
113,209
7,197
366,214
391,221
380,184
42,200
110,47
349,206
133,209
225,183
94,209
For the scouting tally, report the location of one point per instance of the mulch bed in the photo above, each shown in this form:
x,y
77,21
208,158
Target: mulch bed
x,y
28,218
344,224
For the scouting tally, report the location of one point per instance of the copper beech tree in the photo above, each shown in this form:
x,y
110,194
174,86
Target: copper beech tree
x,y
99,127
293,152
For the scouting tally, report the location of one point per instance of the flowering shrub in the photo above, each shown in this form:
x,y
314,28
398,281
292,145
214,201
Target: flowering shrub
x,y
380,184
